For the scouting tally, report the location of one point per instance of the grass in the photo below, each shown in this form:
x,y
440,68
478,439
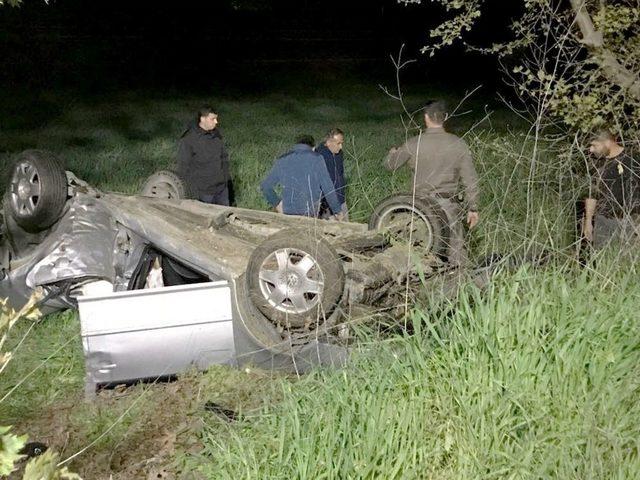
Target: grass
x,y
52,347
116,142
534,378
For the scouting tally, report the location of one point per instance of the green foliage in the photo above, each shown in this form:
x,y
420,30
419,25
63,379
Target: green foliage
x,y
465,15
442,404
10,446
9,317
250,5
48,350
45,467
535,378
616,20
585,78
578,88
15,3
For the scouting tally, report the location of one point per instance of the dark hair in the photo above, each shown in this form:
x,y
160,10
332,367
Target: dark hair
x,y
204,111
333,132
306,140
437,110
602,135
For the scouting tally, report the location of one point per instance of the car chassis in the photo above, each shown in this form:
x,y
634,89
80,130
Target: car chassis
x,y
296,283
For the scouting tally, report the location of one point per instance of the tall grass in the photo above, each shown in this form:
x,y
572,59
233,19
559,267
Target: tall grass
x,y
535,378
46,369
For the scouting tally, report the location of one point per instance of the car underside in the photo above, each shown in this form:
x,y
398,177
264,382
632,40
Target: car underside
x,y
294,281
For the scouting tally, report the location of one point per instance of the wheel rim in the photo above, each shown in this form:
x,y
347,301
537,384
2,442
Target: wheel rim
x,y
25,189
399,219
163,190
291,281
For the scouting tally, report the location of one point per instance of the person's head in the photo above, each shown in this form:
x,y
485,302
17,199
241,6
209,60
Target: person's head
x,y
435,113
602,143
334,140
207,118
305,140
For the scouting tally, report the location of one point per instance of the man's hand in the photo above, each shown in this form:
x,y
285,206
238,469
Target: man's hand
x,y
279,208
472,218
339,217
587,229
589,213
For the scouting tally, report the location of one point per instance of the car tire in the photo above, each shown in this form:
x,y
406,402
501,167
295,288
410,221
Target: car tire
x,y
37,190
295,279
166,184
431,228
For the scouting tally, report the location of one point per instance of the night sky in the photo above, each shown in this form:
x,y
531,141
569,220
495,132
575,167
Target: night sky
x,y
229,44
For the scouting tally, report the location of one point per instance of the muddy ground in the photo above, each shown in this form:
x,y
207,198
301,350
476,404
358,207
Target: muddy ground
x,y
142,432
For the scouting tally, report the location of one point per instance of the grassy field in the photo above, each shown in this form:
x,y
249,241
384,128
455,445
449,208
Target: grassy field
x,y
535,378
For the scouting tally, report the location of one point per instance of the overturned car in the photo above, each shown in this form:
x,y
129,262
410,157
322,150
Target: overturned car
x,y
288,286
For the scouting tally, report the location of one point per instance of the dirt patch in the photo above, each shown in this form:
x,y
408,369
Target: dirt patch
x,y
124,433
137,432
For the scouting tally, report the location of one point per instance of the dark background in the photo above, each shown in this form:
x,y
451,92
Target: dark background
x,y
236,46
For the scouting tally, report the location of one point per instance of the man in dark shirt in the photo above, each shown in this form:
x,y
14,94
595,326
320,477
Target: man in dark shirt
x,y
203,161
331,151
304,179
615,187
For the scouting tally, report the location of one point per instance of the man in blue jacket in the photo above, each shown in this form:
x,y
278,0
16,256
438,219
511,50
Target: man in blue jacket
x,y
331,151
304,178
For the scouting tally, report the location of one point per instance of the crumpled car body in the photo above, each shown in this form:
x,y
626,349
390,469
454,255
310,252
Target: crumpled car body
x,y
114,239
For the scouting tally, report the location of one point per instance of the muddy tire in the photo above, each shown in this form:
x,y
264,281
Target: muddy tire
x,y
166,184
37,190
397,214
295,279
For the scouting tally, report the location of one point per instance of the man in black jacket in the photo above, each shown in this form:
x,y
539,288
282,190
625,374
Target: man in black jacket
x,y
203,161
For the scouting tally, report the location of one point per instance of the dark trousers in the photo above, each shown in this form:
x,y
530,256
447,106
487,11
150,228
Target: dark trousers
x,y
221,197
456,251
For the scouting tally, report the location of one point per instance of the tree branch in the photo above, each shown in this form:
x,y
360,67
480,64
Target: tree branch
x,y
594,41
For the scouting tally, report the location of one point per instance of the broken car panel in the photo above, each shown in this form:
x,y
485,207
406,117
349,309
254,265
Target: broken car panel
x,y
287,280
